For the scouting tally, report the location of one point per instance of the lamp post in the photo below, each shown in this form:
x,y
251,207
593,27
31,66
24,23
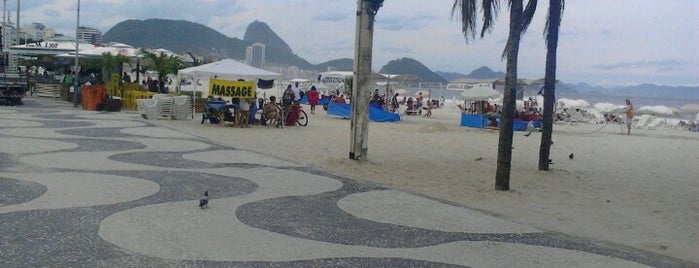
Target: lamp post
x,y
76,78
18,42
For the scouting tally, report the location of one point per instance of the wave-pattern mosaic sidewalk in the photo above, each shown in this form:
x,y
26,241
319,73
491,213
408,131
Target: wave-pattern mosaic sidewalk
x,y
92,189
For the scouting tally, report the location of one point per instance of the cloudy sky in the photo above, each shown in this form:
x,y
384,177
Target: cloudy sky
x,y
602,42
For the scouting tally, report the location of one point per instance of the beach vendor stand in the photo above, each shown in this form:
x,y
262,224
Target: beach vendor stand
x,y
226,70
228,89
477,93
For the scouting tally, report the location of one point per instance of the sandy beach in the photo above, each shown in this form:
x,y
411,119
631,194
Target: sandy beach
x,y
640,190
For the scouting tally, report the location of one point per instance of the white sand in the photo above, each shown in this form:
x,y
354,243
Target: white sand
x,y
640,190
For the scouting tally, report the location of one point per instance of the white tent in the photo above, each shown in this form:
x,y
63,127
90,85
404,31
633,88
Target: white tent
x,y
227,69
96,52
479,93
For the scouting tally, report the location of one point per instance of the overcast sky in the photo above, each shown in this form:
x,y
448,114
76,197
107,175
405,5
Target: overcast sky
x,y
603,42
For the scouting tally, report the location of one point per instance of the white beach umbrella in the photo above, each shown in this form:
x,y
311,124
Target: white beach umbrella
x,y
479,93
657,110
424,93
606,107
564,103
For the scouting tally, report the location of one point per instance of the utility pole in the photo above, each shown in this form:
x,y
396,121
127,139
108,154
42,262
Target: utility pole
x,y
18,42
76,78
361,89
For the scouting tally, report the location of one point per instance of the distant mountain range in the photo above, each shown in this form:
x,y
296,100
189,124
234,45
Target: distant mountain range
x,y
182,37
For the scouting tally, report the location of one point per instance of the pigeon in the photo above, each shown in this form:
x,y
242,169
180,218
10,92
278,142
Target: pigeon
x,y
571,156
204,201
527,135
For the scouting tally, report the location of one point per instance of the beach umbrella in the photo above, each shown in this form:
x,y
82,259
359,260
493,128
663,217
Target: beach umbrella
x,y
564,103
657,110
478,93
606,107
424,93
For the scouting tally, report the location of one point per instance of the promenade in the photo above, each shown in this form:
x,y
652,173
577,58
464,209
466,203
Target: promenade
x,y
95,189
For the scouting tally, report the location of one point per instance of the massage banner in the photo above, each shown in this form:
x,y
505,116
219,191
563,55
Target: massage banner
x,y
233,89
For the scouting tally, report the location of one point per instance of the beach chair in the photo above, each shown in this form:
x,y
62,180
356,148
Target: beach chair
x,y
182,108
642,121
657,122
164,105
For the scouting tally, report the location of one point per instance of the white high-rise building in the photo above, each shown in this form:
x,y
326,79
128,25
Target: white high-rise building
x,y
255,55
90,35
37,31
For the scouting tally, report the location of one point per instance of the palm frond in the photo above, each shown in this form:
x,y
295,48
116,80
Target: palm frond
x,y
490,12
528,14
467,10
555,16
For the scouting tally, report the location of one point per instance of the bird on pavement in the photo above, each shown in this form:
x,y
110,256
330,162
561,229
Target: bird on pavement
x,y
571,156
204,201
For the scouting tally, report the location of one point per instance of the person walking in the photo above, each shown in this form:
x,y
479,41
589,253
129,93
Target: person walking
x,y
313,99
629,116
394,102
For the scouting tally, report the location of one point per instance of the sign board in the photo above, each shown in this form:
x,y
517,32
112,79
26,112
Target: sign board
x,y
233,89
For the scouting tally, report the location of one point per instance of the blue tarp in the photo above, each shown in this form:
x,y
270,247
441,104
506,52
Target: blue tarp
x,y
375,114
474,120
480,121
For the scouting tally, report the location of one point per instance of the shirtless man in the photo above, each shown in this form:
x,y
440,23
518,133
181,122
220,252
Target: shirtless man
x,y
271,111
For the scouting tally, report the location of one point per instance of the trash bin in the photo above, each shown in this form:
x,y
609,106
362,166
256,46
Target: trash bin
x,y
92,96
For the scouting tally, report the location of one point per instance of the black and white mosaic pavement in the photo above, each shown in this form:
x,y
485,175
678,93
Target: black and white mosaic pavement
x,y
93,189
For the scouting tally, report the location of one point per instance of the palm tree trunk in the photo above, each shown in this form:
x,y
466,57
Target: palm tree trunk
x,y
553,24
502,174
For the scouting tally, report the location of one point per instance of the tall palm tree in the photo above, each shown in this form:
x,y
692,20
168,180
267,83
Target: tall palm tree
x,y
553,23
112,64
520,18
162,63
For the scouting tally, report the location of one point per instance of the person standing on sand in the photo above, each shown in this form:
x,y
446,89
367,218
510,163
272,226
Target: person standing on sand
x,y
629,116
297,92
394,102
313,99
243,114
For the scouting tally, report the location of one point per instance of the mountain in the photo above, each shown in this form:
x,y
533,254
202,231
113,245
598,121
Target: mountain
x,y
276,50
411,66
178,36
184,36
337,65
480,73
485,73
450,76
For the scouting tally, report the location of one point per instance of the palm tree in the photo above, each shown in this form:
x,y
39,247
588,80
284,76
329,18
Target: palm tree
x,y
112,64
162,63
520,18
553,24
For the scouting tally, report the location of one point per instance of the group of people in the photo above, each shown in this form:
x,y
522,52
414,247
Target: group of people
x,y
237,113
